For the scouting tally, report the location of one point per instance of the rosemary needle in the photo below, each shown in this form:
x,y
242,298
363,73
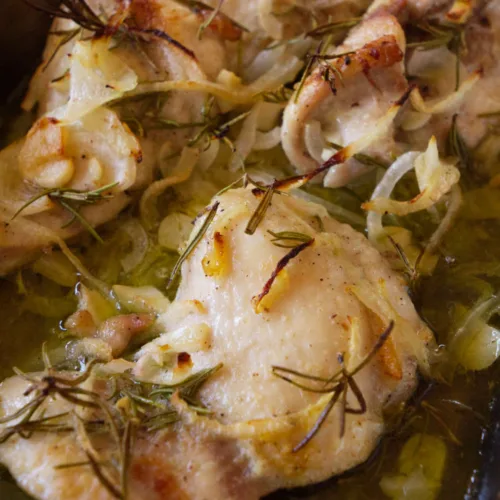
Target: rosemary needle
x,y
260,211
192,244
65,197
204,25
338,385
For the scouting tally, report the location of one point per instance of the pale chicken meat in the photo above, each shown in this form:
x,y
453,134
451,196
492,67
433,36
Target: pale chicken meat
x,y
344,104
77,145
338,105
326,309
434,72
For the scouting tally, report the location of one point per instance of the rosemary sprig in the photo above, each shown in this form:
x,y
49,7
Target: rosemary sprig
x,y
289,239
280,43
333,28
189,386
77,11
242,179
278,96
120,29
306,73
153,412
438,38
329,72
197,6
261,209
163,123
204,25
215,129
338,385
194,242
438,35
94,459
330,57
456,145
71,200
411,271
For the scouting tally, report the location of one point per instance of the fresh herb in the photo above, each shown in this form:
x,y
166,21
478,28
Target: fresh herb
x,y
411,271
278,96
215,129
334,28
436,415
330,74
456,145
261,209
190,386
71,200
242,179
149,409
279,43
77,11
341,156
204,25
119,28
330,57
437,35
194,242
197,7
306,73
289,239
338,385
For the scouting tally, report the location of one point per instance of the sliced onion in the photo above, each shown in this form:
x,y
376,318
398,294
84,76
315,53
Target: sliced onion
x,y
56,267
283,73
421,465
184,168
209,155
265,60
141,299
384,189
269,115
454,205
267,140
450,102
245,141
140,243
314,140
97,76
89,349
435,178
476,344
413,120
268,20
35,236
174,231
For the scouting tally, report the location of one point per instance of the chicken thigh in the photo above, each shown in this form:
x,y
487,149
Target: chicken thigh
x,y
267,310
